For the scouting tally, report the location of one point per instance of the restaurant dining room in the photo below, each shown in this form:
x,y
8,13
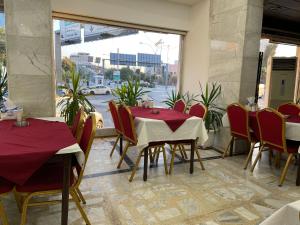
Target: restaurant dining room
x,y
145,112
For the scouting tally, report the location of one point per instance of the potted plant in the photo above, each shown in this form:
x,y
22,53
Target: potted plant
x,y
73,98
175,96
3,85
213,120
129,93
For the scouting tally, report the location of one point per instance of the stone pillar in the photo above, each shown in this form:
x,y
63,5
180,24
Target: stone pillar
x,y
31,82
235,32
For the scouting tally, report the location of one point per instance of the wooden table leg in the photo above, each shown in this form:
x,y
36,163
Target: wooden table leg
x,y
121,145
145,164
231,148
65,193
298,172
193,145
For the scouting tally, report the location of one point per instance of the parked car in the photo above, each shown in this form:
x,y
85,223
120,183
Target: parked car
x,y
97,90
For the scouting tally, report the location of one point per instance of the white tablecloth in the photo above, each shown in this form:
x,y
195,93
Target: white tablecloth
x,y
73,149
287,215
292,130
150,130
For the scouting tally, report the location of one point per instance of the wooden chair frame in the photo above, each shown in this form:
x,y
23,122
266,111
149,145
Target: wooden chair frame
x,y
289,103
23,198
264,143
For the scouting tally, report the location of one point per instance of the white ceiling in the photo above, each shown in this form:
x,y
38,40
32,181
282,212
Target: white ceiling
x,y
185,2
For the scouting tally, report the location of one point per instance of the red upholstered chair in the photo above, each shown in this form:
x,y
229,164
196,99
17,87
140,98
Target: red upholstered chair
x,y
289,109
179,106
129,134
48,180
272,134
117,123
239,127
197,110
5,187
77,124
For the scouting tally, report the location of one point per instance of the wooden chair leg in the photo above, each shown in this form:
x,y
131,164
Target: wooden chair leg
x,y
77,202
18,199
270,157
80,195
285,169
123,155
165,160
157,154
3,215
257,157
115,144
181,147
136,165
172,160
249,157
24,210
227,149
200,160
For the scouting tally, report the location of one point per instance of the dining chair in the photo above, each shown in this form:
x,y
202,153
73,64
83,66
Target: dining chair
x,y
238,117
77,124
272,132
198,110
179,106
5,187
129,134
48,179
289,109
116,120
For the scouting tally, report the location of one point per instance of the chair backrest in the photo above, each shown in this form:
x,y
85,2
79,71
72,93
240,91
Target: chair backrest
x,y
198,110
289,109
179,106
78,121
128,127
272,128
115,116
86,141
238,120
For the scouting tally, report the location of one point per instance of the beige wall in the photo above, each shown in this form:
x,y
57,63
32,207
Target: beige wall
x,y
196,49
152,13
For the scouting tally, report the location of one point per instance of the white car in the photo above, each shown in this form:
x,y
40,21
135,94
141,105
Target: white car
x,y
97,90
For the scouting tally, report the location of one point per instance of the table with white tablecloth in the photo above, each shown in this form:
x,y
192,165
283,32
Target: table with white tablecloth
x,y
287,215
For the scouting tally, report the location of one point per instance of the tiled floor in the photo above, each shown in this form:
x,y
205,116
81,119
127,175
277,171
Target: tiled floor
x,y
222,194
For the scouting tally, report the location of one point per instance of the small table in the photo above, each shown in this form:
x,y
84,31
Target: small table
x,y
150,131
60,154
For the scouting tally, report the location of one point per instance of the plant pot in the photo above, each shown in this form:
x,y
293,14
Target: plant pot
x,y
211,139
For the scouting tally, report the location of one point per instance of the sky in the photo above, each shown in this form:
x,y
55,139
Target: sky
x,y
2,20
143,42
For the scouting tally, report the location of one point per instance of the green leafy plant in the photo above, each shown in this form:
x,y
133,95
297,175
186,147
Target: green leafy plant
x,y
3,82
175,96
209,95
130,93
73,98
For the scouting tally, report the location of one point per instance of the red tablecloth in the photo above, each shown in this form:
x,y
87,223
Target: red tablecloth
x,y
171,117
23,150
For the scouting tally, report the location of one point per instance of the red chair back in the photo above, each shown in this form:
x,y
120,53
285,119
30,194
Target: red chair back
x,y
238,120
76,122
198,110
115,116
272,128
179,106
289,109
86,141
127,124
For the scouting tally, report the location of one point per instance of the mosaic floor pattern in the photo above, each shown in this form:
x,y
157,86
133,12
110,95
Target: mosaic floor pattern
x,y
223,194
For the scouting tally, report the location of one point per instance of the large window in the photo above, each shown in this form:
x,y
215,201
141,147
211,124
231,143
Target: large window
x,y
108,56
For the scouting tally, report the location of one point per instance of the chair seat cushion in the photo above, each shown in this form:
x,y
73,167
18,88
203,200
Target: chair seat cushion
x,y
48,177
5,186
